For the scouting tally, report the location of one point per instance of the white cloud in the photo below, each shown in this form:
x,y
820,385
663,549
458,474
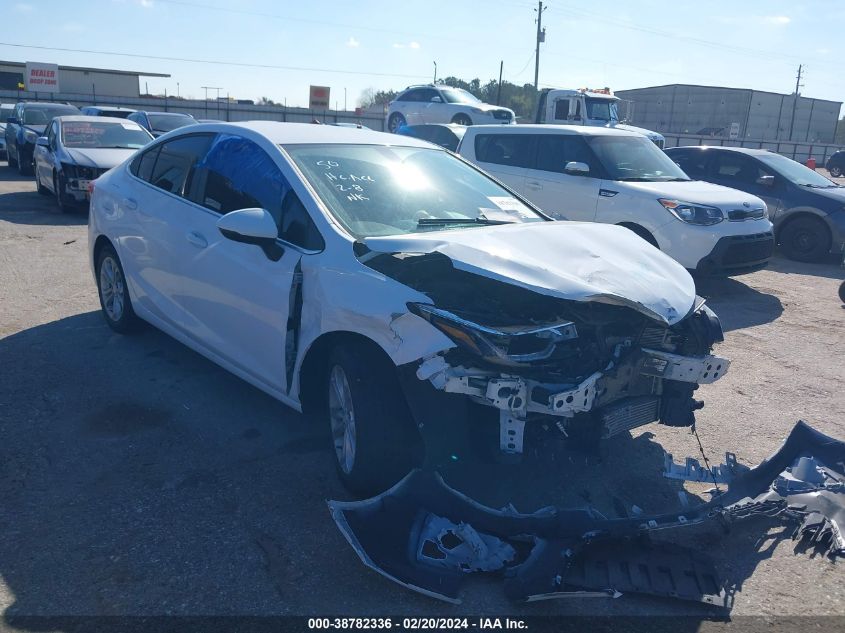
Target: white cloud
x,y
22,7
352,42
147,4
414,45
777,20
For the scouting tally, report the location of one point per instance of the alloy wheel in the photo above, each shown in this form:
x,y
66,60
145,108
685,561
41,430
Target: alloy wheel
x,y
342,419
112,289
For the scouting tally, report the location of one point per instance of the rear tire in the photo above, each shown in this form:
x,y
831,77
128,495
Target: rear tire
x,y
374,440
461,119
395,121
805,239
835,171
842,292
114,295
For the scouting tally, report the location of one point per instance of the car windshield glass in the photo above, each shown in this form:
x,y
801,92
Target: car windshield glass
x,y
93,134
458,95
168,122
43,115
377,190
601,109
796,172
120,114
634,158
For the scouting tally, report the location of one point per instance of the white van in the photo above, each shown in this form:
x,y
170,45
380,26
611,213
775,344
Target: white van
x,y
618,177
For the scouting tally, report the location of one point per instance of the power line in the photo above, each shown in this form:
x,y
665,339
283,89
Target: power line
x,y
211,61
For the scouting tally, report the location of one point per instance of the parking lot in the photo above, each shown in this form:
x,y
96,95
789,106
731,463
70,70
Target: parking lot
x,y
136,477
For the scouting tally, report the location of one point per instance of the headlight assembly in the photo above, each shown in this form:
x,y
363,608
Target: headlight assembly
x,y
691,213
30,136
511,345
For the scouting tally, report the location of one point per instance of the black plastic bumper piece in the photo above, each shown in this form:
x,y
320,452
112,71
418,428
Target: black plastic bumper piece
x,y
737,255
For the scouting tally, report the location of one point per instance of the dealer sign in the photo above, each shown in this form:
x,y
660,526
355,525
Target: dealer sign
x,y
42,77
319,98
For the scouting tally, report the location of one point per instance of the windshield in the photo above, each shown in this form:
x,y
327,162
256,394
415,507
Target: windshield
x,y
602,109
458,95
796,172
168,122
120,114
43,115
376,190
634,158
88,134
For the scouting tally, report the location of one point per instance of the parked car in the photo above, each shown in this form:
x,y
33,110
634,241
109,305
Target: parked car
x,y
383,285
27,122
808,210
117,112
436,103
6,110
619,177
77,150
836,163
158,123
446,135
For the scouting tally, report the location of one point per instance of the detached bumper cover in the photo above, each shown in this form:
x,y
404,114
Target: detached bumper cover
x,y
427,536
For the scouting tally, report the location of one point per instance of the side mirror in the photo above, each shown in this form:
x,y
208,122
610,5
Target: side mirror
x,y
42,141
436,100
766,181
252,226
576,169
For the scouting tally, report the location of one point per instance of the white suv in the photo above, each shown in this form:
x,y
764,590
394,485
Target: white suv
x,y
435,103
619,177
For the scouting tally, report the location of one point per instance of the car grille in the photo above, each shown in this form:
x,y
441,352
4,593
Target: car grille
x,y
502,115
84,173
628,415
749,248
738,215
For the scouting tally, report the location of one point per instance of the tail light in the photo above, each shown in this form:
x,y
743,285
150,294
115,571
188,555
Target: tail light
x,y
91,187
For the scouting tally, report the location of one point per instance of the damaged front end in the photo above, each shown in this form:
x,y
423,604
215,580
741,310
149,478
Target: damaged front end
x,y
427,536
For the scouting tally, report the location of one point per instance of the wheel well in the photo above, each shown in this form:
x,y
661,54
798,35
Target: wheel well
x,y
101,242
461,115
795,216
315,365
641,231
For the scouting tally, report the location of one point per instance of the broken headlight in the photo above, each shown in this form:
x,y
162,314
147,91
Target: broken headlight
x,y
508,345
693,213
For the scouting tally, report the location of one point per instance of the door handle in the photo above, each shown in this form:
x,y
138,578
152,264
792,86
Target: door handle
x,y
197,239
130,203
533,185
607,193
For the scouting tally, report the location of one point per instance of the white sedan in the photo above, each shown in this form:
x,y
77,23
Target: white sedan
x,y
381,284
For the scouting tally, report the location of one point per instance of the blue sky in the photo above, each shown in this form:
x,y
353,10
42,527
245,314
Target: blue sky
x,y
390,44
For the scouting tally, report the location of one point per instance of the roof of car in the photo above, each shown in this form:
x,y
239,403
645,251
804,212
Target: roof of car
x,y
45,104
107,107
95,119
752,151
148,112
583,130
307,133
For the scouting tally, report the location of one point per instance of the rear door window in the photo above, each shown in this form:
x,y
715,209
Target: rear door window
x,y
174,166
554,151
733,167
693,162
515,150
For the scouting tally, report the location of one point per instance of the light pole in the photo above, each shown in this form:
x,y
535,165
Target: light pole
x,y
344,99
177,89
435,73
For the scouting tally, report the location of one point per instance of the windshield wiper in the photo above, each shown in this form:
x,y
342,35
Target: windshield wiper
x,y
636,179
830,186
454,221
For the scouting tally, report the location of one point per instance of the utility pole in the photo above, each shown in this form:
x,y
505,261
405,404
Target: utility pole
x,y
435,73
541,37
499,91
798,85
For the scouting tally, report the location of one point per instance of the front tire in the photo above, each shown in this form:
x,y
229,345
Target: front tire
x,y
11,162
842,292
61,202
374,440
395,121
461,119
805,239
41,188
114,295
25,165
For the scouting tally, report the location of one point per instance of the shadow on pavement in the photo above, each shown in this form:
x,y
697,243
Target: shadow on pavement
x,y
737,304
136,477
832,269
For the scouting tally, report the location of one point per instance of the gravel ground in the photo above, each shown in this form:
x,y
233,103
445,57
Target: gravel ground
x,y
136,477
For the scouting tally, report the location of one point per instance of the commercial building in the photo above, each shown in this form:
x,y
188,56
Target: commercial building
x,y
74,80
740,113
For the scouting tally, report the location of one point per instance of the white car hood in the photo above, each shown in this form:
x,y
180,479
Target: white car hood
x,y
101,158
579,261
489,107
696,191
633,128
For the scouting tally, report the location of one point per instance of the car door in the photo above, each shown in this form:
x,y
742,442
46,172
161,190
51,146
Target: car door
x,y
157,218
506,156
236,299
739,171
44,157
432,107
559,194
409,105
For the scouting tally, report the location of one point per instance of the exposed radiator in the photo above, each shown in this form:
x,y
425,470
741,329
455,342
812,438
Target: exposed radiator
x,y
629,415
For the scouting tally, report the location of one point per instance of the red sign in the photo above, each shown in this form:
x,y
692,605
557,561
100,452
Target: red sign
x,y
42,77
319,98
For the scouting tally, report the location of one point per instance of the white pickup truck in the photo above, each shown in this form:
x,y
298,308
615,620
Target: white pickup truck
x,y
586,107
